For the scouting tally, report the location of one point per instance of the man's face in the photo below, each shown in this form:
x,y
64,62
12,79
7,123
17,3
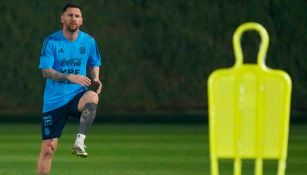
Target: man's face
x,y
72,19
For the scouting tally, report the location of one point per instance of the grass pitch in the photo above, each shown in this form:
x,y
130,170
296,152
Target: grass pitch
x,y
141,149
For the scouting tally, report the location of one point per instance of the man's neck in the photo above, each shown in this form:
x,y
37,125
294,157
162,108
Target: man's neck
x,y
71,36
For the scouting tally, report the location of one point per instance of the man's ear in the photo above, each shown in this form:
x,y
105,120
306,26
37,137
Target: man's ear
x,y
81,21
62,19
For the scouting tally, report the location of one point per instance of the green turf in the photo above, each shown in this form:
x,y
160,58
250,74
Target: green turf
x,y
132,150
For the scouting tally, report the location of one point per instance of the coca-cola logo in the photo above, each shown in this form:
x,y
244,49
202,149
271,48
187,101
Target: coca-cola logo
x,y
71,62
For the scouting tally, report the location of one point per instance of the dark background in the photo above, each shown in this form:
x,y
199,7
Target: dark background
x,y
157,54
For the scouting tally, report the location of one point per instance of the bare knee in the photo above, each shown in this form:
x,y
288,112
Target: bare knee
x,y
91,97
48,148
88,97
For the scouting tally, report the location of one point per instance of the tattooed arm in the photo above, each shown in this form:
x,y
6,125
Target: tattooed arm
x,y
54,75
94,71
57,76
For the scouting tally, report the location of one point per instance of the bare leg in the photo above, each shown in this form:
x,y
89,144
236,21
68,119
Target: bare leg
x,y
87,105
48,147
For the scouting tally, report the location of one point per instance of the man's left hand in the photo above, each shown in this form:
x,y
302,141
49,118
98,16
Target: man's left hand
x,y
96,86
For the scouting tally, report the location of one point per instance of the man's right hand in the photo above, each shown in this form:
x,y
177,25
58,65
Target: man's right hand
x,y
79,79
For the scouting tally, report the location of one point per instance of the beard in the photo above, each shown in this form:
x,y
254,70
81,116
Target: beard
x,y
72,27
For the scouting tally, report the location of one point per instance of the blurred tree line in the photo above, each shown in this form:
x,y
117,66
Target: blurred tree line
x,y
157,54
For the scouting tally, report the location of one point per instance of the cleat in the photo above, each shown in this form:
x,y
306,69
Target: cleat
x,y
79,150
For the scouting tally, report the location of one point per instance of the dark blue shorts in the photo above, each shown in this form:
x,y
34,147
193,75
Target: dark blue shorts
x,y
54,121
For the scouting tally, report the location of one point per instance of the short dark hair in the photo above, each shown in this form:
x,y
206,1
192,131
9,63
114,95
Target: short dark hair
x,y
70,5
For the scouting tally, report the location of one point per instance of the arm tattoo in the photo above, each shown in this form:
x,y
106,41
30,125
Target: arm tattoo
x,y
93,76
94,72
54,75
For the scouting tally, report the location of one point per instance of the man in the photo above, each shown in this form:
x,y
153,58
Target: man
x,y
64,60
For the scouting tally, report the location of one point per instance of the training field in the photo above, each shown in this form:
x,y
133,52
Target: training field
x,y
128,149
